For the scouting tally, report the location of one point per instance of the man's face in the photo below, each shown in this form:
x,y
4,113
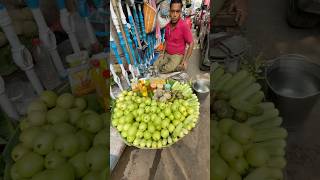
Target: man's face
x,y
175,12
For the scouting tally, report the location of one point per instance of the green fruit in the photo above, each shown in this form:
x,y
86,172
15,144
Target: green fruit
x,y
233,175
49,98
47,127
132,131
139,134
37,105
67,145
171,128
230,150
142,126
80,103
93,123
43,143
29,164
101,138
147,135
63,172
242,133
37,118
167,111
14,172
74,115
96,158
151,128
89,111
225,125
24,124
240,165
104,174
81,122
257,156
61,129
18,151
130,139
156,136
165,123
27,137
79,164
164,133
44,175
57,115
93,175
218,168
53,160
84,139
65,100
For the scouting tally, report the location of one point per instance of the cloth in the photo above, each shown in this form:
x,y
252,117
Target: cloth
x,y
177,37
168,63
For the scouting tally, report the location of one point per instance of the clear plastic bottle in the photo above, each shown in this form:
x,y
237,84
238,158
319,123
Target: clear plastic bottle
x,y
44,66
100,20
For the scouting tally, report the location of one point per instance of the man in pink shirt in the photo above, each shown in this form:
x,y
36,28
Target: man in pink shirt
x,y
177,35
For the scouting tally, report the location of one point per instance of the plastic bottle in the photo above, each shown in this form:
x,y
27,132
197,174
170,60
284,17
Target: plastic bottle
x,y
99,19
44,66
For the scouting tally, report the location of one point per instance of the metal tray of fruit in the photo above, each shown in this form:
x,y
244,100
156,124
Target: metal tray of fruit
x,y
190,119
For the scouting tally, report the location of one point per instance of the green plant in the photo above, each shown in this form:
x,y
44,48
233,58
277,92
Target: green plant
x,y
254,66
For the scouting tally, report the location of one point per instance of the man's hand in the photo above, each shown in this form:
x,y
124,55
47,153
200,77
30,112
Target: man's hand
x,y
241,9
183,65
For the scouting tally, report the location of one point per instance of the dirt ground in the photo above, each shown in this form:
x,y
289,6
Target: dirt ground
x,y
188,159
269,33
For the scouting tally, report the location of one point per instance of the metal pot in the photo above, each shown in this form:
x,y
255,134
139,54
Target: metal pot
x,y
202,88
294,85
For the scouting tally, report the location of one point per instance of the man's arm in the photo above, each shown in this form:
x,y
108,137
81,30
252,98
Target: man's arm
x,y
187,56
189,52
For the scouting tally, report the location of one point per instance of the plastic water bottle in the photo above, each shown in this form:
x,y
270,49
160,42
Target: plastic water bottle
x,y
44,66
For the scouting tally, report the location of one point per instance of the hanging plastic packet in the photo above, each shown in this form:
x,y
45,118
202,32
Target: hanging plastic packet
x,y
99,76
79,74
80,80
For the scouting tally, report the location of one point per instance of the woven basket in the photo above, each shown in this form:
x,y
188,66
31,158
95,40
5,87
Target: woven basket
x,y
150,16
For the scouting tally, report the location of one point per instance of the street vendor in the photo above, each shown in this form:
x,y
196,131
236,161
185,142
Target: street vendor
x,y
177,36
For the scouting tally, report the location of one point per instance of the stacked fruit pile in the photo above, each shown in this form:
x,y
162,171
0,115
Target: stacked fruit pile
x,y
147,122
247,140
61,139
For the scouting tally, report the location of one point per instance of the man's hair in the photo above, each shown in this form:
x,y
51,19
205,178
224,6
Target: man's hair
x,y
176,2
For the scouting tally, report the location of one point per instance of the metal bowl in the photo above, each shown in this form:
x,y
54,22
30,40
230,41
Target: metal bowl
x,y
294,78
295,87
202,88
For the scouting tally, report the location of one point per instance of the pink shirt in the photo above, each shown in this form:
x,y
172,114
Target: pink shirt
x,y
177,37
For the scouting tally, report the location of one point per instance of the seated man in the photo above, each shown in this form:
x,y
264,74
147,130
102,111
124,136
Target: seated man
x,y
177,35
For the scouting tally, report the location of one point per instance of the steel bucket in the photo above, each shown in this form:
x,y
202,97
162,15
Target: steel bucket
x,y
294,86
202,88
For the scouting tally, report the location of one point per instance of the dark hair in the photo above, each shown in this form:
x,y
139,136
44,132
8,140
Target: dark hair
x,y
176,2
